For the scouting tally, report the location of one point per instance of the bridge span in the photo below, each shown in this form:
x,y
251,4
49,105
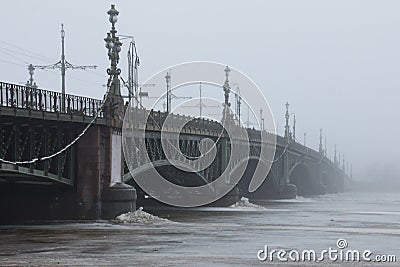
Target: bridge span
x,y
68,163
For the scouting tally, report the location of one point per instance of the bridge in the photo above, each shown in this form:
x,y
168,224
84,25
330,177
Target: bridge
x,y
64,164
295,169
62,155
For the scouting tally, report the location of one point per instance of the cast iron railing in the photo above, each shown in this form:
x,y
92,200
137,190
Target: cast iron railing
x,y
23,97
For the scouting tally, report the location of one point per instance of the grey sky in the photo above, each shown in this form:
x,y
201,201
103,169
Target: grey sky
x,y
336,62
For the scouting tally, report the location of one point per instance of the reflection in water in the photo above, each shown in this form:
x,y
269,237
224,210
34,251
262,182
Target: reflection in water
x,y
212,236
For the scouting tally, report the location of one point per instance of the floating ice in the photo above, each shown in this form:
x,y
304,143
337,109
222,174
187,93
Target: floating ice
x,y
245,203
140,217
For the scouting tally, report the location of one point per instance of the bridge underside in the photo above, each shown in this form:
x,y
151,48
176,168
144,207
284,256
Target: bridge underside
x,y
333,181
34,200
269,189
305,182
10,173
178,177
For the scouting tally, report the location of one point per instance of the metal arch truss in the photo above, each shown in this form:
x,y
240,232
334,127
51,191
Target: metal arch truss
x,y
22,140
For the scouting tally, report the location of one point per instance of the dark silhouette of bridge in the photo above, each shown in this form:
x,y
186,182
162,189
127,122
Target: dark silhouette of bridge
x,y
77,182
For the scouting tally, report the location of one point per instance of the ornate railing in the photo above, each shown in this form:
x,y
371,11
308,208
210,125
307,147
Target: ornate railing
x,y
23,97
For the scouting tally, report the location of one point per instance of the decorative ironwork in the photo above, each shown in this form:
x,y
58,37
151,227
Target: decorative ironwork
x,y
25,97
21,140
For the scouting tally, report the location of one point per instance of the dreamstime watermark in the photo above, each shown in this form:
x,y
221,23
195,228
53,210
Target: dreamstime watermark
x,y
224,80
340,253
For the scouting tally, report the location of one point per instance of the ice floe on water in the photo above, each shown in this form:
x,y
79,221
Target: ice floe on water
x,y
140,217
298,199
245,203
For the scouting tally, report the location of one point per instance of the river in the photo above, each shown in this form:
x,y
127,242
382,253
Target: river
x,y
214,236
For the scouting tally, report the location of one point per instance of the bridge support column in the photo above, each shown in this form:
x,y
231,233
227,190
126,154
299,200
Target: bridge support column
x,y
88,182
116,197
286,189
234,195
100,191
285,177
321,188
225,155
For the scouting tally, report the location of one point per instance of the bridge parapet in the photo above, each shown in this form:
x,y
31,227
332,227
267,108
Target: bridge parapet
x,y
194,125
155,121
255,135
23,97
299,148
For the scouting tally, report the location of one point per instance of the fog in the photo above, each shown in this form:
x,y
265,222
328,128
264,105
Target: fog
x,y
337,63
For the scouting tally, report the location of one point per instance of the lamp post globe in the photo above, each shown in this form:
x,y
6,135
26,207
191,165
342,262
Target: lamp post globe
x,y
118,45
108,41
113,13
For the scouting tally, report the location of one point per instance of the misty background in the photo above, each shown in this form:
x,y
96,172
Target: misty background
x,y
336,62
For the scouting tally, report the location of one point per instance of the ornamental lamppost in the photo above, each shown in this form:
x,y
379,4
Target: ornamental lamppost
x,y
287,129
30,87
227,89
30,83
113,45
169,102
286,174
294,128
321,149
114,105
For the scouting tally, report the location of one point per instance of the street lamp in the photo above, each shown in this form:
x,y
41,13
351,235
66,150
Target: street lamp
x,y
287,129
30,83
169,102
30,87
261,120
113,44
294,127
226,116
114,106
226,87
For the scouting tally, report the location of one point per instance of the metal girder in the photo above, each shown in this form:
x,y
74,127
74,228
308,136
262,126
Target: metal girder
x,y
26,139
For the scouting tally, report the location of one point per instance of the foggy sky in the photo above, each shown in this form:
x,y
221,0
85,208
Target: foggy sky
x,y
336,62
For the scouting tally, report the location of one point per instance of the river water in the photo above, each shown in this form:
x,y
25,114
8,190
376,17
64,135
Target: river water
x,y
217,236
